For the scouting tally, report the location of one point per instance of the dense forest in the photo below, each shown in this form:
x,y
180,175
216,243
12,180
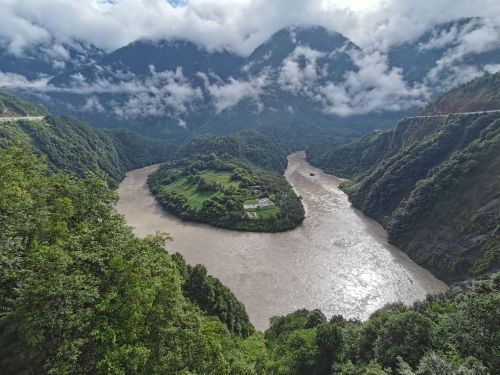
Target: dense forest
x,y
80,294
73,146
434,183
232,182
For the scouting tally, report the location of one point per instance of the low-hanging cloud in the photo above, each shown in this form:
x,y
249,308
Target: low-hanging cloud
x,y
300,70
374,87
220,24
230,93
476,37
20,81
156,94
375,25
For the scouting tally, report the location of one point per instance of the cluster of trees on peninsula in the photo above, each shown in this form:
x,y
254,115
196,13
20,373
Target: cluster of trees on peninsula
x,y
80,294
211,181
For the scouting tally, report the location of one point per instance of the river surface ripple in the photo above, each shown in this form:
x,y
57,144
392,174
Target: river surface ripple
x,y
338,260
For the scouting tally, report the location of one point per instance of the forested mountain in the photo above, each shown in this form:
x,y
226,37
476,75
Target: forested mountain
x,y
433,182
248,146
80,294
177,89
71,145
482,94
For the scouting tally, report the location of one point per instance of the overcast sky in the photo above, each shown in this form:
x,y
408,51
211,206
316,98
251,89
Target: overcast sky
x,y
238,25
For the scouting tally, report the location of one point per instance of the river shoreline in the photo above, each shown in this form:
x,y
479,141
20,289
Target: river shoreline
x,y
338,260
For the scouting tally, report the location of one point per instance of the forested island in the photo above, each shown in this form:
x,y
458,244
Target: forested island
x,y
214,182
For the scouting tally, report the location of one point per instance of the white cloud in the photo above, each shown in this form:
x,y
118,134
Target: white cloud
x,y
477,37
228,94
240,25
374,87
92,104
300,70
20,81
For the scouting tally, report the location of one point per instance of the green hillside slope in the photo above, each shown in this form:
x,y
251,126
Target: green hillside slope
x,y
71,145
434,183
11,105
483,94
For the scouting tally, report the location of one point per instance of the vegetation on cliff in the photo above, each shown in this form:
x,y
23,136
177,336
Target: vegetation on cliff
x,y
73,146
11,105
482,94
80,294
434,183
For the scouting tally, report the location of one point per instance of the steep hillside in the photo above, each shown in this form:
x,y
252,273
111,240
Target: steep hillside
x,y
435,185
80,294
71,145
356,158
11,105
482,94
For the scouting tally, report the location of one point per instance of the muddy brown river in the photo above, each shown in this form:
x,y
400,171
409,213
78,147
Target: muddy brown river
x,y
338,260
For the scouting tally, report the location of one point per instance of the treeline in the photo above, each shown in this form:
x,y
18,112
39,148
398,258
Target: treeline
x,y
247,146
442,335
73,146
212,297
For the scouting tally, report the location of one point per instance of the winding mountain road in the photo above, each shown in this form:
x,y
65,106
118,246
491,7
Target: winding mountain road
x,y
16,118
457,113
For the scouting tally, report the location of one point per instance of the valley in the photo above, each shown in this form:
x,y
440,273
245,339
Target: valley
x,y
338,260
249,187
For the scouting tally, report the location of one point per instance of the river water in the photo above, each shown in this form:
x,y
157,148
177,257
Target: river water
x,y
338,260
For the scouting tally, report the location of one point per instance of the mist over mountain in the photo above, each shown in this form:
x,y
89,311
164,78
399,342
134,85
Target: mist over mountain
x,y
179,69
302,79
44,60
